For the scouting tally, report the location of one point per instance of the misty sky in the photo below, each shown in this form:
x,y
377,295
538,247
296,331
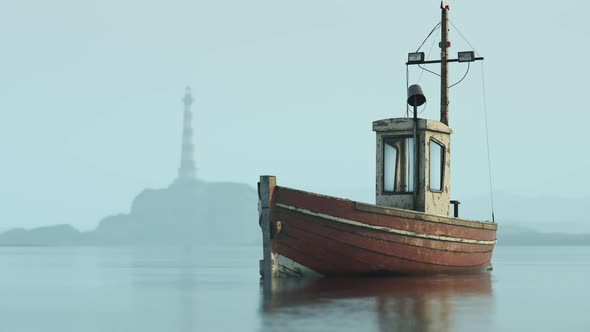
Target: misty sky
x,y
91,112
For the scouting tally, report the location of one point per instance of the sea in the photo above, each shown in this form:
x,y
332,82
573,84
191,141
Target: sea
x,y
170,289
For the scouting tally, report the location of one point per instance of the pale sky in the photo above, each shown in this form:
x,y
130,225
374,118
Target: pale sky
x,y
91,114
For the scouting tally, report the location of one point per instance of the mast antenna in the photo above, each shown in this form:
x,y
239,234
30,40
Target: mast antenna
x,y
418,58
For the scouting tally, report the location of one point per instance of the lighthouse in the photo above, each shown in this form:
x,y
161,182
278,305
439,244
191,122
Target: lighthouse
x,y
187,170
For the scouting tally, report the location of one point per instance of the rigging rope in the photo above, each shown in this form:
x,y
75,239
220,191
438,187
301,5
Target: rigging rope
x,y
428,70
484,101
436,27
428,56
462,78
425,39
459,31
485,112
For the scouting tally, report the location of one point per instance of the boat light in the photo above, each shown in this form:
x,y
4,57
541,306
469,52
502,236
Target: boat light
x,y
466,56
415,96
416,57
448,44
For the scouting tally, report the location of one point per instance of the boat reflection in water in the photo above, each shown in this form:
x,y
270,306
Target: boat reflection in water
x,y
435,303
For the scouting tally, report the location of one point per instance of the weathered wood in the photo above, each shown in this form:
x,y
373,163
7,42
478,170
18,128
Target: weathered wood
x,y
424,216
332,236
406,125
266,188
444,68
434,202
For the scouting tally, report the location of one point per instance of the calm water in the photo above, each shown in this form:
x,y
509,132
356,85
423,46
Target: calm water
x,y
218,289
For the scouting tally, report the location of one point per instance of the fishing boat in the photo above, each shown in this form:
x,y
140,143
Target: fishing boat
x,y
408,231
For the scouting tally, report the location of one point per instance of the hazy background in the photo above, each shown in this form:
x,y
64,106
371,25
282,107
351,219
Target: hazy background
x,y
91,113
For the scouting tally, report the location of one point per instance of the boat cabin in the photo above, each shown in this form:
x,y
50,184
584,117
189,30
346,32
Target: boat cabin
x,y
404,181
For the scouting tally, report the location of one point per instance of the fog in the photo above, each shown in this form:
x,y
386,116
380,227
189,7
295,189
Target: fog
x,y
91,112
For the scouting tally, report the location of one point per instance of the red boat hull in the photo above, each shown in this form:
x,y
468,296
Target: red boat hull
x,y
323,236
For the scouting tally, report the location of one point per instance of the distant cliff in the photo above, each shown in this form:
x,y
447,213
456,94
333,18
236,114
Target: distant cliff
x,y
220,213
47,235
185,213
518,236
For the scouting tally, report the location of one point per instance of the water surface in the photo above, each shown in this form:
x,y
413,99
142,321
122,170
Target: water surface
x,y
218,289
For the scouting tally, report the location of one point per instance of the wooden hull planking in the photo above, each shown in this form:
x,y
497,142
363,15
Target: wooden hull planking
x,y
316,235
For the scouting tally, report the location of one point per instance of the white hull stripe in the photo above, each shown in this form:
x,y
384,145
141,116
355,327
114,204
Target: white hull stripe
x,y
384,229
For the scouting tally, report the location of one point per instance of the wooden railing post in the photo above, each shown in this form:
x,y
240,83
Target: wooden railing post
x,y
266,188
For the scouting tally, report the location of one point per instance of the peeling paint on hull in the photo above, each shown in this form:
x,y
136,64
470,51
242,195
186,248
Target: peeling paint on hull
x,y
287,267
321,235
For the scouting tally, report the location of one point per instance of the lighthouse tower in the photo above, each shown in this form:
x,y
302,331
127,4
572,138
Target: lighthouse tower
x,y
187,170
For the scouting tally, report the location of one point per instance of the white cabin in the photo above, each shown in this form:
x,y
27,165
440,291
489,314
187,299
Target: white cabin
x,y
395,165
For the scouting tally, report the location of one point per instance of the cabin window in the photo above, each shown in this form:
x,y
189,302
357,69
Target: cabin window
x,y
437,154
390,157
398,164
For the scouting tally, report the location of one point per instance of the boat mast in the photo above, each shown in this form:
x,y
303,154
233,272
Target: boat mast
x,y
444,73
